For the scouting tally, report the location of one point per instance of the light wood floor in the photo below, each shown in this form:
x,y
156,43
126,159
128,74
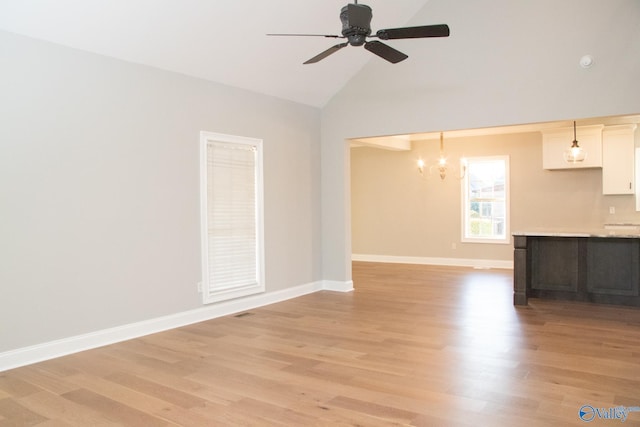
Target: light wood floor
x,y
413,345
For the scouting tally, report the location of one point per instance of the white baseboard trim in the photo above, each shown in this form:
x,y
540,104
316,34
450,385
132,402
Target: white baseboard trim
x,y
50,350
454,262
330,285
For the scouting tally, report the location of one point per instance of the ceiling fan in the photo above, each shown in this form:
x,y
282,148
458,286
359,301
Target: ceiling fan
x,y
356,28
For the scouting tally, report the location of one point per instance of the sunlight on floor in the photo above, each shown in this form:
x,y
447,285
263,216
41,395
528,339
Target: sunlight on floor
x,y
488,317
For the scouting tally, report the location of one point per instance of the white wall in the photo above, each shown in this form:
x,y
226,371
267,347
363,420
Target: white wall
x,y
505,63
99,189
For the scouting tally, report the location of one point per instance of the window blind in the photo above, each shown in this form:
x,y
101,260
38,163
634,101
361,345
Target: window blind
x,y
232,221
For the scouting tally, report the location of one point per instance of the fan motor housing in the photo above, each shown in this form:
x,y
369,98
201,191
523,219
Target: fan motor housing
x,y
357,35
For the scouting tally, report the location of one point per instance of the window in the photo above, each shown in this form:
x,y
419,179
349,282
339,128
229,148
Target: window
x,y
231,199
485,204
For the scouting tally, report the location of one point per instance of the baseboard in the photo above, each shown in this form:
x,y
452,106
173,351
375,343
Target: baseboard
x,y
330,285
453,262
49,350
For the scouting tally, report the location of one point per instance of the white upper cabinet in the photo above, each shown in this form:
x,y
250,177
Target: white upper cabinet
x,y
556,141
618,159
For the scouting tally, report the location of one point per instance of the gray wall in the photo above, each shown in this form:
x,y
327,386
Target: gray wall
x,y
505,63
99,189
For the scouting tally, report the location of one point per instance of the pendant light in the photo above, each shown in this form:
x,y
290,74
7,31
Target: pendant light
x,y
575,153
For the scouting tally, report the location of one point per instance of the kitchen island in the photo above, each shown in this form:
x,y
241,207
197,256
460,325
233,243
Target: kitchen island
x,y
601,266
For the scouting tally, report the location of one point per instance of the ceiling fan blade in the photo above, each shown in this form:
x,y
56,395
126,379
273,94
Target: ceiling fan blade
x,y
441,30
309,35
385,52
359,15
332,49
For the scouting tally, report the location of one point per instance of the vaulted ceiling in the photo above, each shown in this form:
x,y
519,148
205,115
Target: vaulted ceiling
x,y
226,41
221,41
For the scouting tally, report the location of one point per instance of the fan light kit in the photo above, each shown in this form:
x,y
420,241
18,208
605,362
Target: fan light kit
x,y
356,28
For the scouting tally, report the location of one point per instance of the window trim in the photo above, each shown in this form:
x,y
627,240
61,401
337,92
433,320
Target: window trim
x,y
465,198
212,296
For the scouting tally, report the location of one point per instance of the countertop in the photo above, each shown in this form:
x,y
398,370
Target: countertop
x,y
599,232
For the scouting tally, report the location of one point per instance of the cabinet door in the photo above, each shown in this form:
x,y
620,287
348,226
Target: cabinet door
x,y
618,159
555,263
612,266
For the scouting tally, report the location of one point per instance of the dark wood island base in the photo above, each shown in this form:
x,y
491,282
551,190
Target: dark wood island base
x,y
600,267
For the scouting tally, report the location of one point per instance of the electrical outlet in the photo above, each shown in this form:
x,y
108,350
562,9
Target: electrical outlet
x,y
453,246
200,287
612,210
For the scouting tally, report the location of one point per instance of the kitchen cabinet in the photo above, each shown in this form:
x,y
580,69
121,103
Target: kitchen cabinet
x,y
597,267
556,141
618,162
